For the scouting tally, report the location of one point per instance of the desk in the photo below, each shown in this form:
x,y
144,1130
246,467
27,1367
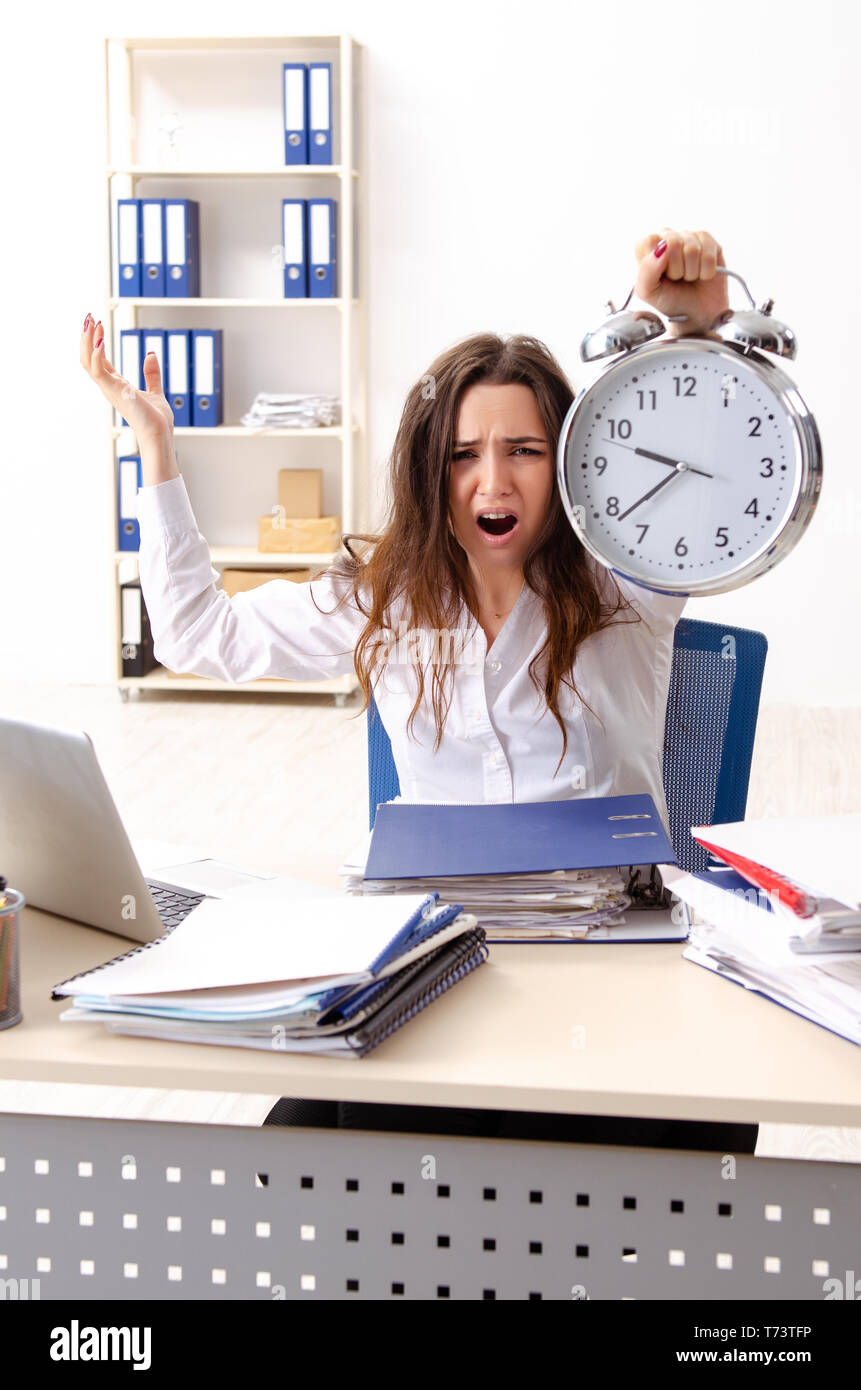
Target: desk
x,y
151,1210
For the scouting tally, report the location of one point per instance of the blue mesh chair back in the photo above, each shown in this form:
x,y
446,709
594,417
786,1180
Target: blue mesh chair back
x,y
712,708
383,781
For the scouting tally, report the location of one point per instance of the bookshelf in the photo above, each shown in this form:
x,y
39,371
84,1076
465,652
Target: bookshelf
x,y
201,118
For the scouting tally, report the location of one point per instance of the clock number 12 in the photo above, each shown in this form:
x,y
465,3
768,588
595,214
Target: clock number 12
x,y
690,384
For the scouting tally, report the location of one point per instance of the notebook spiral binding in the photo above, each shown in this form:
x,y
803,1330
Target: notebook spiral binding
x,y
124,955
477,956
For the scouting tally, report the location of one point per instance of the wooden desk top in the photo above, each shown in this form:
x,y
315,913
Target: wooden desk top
x,y
598,1029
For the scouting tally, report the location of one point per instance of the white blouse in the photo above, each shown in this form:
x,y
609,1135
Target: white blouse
x,y
498,743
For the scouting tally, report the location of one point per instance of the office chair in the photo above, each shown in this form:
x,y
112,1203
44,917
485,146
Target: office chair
x,y
712,707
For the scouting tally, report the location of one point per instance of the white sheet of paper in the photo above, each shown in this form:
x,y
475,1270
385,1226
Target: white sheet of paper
x,y
821,853
739,923
231,943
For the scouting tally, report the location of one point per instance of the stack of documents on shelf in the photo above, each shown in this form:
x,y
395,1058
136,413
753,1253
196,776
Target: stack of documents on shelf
x,y
292,411
793,937
585,869
333,976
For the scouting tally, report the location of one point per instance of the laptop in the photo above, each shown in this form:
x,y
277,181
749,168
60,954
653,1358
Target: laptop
x,y
64,846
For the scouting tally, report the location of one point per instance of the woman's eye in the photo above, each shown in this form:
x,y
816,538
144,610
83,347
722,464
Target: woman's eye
x,y
521,449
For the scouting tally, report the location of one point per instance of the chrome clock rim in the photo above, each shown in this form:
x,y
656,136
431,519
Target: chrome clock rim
x,y
807,440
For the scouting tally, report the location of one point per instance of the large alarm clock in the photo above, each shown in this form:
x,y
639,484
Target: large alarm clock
x,y
690,465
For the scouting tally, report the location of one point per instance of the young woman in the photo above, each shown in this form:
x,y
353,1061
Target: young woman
x,y
506,664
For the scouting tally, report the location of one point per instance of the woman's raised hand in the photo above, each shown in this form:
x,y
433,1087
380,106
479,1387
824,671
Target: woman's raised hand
x,y
683,279
147,412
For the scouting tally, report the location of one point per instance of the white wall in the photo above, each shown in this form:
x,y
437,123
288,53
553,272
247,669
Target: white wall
x,y
517,152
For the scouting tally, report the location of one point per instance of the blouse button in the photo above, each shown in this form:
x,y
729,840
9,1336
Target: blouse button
x,y
494,666
477,715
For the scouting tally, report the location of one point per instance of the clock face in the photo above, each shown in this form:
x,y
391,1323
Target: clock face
x,y
681,464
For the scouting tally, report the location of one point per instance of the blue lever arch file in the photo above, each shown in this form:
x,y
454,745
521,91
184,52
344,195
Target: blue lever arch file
x,y
129,480
177,386
414,840
294,242
182,248
131,359
295,113
129,247
152,248
450,848
322,268
153,340
319,113
206,407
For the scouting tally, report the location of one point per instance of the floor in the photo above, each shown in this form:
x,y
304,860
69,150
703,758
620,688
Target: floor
x,y
244,758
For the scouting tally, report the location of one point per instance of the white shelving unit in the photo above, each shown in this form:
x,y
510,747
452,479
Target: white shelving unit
x,y
217,89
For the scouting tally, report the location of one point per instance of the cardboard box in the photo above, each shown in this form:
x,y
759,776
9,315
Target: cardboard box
x,y
236,581
300,491
190,676
302,535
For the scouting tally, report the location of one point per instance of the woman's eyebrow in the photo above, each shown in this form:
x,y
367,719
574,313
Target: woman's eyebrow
x,y
520,439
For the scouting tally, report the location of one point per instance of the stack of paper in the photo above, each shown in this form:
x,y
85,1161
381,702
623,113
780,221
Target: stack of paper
x,y
333,976
809,868
271,411
562,903
528,871
744,936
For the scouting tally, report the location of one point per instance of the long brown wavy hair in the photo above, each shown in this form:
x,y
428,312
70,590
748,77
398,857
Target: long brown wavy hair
x,y
417,558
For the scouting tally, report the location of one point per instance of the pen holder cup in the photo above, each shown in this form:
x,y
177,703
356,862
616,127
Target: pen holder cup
x,y
10,992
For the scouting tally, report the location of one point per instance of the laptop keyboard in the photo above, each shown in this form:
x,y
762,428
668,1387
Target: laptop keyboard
x,y
172,904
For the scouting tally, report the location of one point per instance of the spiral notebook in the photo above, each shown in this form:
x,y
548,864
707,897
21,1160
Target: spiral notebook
x,y
320,977
399,999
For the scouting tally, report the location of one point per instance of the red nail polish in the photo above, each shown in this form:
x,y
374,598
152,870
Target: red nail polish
x,y
660,249
86,320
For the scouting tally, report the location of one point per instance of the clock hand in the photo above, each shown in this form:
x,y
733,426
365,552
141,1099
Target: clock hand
x,y
662,458
663,483
659,458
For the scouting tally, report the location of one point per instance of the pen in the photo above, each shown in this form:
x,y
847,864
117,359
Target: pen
x,y
799,902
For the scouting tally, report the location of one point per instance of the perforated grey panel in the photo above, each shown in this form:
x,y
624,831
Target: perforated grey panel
x,y
128,1209
698,704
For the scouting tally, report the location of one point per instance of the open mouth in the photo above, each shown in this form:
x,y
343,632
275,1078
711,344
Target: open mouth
x,y
497,523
